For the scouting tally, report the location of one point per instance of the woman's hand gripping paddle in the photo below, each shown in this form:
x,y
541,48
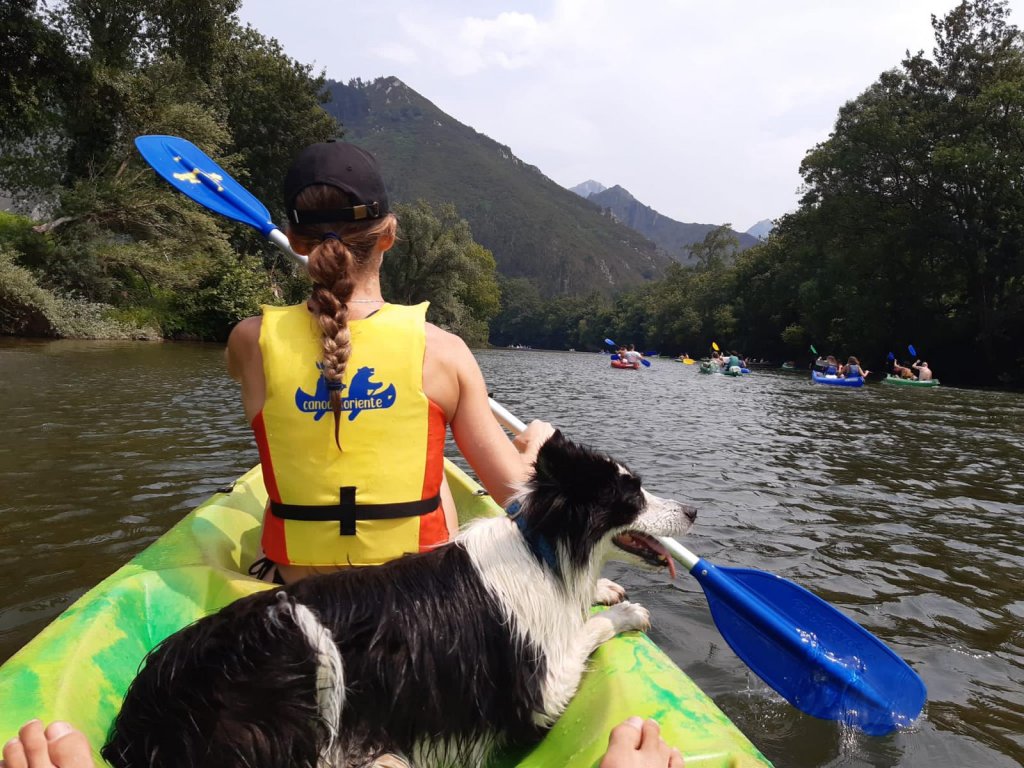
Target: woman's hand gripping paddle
x,y
187,168
818,659
610,343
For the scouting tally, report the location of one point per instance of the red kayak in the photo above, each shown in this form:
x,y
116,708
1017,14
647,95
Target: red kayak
x,y
623,364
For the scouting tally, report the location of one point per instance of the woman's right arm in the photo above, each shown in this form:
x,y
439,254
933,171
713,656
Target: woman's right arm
x,y
500,464
245,364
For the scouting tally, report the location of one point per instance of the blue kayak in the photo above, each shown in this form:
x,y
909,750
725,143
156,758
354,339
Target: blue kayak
x,y
837,381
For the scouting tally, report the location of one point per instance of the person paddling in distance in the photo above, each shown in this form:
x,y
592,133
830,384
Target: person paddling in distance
x,y
901,370
852,369
733,364
349,397
924,373
632,356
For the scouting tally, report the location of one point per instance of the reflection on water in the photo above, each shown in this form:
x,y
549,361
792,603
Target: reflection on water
x,y
900,506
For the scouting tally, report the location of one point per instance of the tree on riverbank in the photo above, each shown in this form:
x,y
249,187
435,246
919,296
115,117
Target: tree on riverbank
x,y
80,82
436,259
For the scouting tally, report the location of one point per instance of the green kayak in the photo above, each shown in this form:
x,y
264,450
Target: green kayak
x,y
78,668
897,381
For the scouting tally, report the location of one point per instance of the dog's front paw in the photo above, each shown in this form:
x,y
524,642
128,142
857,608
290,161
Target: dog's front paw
x,y
627,616
607,592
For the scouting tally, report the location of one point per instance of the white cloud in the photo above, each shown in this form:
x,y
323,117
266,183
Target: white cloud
x,y
394,52
702,108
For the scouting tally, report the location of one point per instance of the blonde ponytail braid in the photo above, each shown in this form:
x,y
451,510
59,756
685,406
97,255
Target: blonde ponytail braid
x,y
339,253
330,267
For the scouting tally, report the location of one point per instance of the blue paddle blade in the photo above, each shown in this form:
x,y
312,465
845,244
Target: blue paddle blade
x,y
818,659
645,363
911,350
609,342
187,168
892,356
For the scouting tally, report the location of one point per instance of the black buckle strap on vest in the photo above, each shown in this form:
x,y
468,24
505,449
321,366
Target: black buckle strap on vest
x,y
347,511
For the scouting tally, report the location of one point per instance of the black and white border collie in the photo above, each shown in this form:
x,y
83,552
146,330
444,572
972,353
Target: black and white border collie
x,y
437,658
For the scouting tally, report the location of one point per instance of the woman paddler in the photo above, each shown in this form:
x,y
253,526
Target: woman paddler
x,y
349,396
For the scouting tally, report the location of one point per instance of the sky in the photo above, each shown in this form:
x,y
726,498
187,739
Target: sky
x,y
702,109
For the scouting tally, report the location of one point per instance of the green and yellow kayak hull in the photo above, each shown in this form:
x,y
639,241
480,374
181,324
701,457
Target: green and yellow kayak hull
x,y
898,382
78,668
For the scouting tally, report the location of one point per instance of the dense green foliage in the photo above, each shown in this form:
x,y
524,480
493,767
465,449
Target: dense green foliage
x,y
687,310
79,83
436,259
910,231
535,228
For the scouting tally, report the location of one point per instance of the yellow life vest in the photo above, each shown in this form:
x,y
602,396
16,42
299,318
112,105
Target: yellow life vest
x,y
378,497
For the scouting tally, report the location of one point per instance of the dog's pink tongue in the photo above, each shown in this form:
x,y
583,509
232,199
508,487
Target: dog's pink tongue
x,y
656,545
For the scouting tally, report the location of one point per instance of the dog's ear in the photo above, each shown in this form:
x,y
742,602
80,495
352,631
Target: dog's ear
x,y
573,468
553,458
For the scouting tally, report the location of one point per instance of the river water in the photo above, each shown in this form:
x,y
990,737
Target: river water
x,y
901,507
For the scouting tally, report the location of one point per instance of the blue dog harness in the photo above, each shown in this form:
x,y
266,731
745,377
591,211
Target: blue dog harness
x,y
537,543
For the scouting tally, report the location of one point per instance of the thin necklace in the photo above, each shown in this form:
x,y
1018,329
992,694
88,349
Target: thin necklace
x,y
365,301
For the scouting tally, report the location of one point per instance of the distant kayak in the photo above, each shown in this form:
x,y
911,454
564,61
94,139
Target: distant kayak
x,y
707,367
897,381
836,381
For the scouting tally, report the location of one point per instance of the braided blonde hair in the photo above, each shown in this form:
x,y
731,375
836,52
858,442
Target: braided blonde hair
x,y
338,253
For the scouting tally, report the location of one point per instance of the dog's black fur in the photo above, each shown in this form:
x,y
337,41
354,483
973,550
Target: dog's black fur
x,y
430,656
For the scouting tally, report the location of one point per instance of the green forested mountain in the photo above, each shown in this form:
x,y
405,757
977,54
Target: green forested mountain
x,y
674,237
535,228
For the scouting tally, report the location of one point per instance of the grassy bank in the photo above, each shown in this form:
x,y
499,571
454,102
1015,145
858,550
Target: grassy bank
x,y
28,309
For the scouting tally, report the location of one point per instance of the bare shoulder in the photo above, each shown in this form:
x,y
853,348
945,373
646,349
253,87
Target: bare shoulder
x,y
447,346
243,345
247,330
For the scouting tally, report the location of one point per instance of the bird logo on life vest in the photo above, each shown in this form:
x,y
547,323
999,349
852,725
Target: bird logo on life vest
x,y
363,395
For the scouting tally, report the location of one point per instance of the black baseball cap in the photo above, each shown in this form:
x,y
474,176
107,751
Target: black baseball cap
x,y
338,164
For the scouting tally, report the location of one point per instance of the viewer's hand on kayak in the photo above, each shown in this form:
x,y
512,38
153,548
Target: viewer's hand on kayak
x,y
638,744
529,441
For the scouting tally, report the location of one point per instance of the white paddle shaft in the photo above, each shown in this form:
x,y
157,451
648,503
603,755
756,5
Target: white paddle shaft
x,y
682,555
280,239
